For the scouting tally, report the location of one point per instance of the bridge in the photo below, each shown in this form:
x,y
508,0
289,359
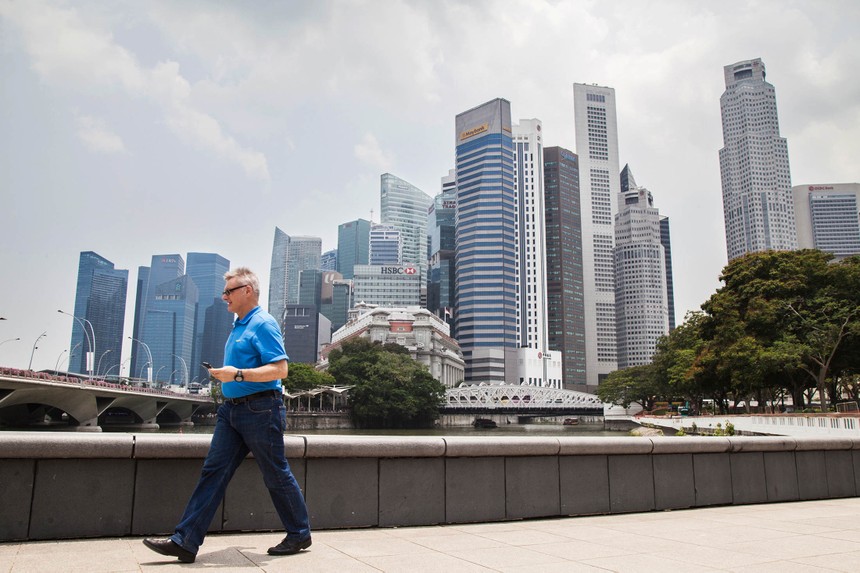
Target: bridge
x,y
520,400
37,399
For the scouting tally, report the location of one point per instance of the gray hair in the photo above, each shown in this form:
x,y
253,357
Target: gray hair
x,y
247,276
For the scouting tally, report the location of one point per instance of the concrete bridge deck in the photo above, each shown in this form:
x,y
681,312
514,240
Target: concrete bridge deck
x,y
816,536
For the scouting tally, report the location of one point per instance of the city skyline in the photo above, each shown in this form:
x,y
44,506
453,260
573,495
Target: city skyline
x,y
143,131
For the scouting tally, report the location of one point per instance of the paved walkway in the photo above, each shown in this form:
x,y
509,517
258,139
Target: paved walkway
x,y
785,537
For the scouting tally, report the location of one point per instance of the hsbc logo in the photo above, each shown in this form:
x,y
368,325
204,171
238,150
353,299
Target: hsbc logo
x,y
397,270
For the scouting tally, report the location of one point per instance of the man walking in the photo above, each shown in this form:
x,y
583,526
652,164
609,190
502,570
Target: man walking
x,y
252,418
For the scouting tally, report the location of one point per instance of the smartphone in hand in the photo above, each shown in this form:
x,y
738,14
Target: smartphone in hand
x,y
206,365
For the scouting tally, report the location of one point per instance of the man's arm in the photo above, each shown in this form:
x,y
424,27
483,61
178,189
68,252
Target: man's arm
x,y
265,373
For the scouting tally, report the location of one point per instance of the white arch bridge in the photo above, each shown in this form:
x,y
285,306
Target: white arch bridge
x,y
522,400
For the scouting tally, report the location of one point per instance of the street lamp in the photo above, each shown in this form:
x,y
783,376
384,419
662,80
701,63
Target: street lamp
x,y
99,366
184,366
9,339
57,365
30,367
149,354
72,354
91,342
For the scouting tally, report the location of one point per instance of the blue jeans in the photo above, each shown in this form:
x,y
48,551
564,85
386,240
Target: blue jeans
x,y
256,426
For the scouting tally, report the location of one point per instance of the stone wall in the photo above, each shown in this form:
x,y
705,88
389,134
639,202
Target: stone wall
x,y
59,485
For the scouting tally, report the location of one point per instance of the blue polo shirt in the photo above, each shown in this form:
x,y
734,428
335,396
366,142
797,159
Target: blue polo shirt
x,y
254,341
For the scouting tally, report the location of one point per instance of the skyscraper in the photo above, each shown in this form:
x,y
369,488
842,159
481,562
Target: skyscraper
x,y
162,268
100,300
212,321
328,260
404,206
627,183
535,363
386,245
353,246
169,327
441,247
290,256
597,147
756,180
565,306
486,272
387,285
641,298
827,217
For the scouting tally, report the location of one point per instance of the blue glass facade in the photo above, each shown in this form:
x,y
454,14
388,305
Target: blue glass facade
x,y
161,269
404,206
100,299
353,246
441,250
212,321
168,329
290,256
485,230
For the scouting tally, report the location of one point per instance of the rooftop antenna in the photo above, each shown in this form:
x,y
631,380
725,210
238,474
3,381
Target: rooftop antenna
x,y
371,215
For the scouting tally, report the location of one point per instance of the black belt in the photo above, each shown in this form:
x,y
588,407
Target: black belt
x,y
263,394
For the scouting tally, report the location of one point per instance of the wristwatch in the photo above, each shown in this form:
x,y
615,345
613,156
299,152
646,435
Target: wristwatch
x,y
238,377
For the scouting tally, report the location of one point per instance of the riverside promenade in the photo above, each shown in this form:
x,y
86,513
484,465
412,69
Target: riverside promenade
x,y
808,536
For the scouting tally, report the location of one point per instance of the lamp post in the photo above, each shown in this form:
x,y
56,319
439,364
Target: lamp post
x,y
57,365
72,354
149,354
9,339
91,342
99,366
159,372
30,366
184,366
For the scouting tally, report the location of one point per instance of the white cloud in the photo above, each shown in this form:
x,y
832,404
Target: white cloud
x,y
97,136
370,153
72,52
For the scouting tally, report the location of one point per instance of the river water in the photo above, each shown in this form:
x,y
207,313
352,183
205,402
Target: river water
x,y
553,430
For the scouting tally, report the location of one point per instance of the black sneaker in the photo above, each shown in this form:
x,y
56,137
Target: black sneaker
x,y
290,545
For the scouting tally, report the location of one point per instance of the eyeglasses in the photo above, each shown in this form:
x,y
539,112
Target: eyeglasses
x,y
229,291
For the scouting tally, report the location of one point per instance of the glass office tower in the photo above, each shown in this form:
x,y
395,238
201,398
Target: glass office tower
x,y
486,271
162,268
100,299
441,248
353,246
404,206
565,305
290,256
212,322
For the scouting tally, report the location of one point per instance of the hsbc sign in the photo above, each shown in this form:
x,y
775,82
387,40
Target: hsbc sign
x,y
397,270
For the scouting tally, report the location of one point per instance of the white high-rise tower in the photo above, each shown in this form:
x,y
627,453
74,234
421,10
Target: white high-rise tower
x,y
599,184
757,200
536,364
641,295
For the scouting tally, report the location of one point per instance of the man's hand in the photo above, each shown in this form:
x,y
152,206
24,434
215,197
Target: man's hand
x,y
226,373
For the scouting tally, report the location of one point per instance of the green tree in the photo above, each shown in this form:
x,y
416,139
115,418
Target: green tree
x,y
389,388
305,377
781,313
675,360
628,385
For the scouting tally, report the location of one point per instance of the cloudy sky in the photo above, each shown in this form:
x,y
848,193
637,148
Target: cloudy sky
x,y
137,128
